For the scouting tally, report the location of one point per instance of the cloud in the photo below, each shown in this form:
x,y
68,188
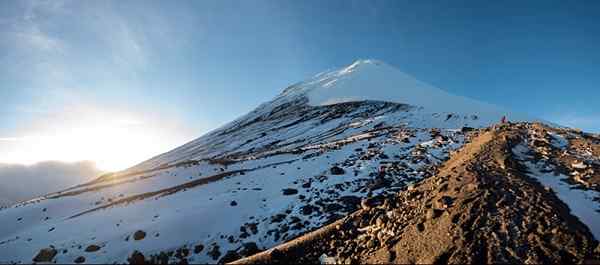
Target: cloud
x,y
23,182
9,139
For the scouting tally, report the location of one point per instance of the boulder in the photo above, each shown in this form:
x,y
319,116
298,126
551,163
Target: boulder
x,y
92,248
337,171
139,235
136,258
45,255
80,259
289,191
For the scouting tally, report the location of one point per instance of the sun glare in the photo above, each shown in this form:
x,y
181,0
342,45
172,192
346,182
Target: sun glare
x,y
111,141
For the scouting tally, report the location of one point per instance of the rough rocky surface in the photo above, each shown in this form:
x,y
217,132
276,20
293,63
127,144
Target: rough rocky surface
x,y
479,207
45,255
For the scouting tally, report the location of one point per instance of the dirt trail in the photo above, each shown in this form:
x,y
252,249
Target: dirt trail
x,y
479,207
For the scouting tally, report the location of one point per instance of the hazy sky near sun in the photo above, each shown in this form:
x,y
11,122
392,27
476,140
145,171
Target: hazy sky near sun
x,y
117,82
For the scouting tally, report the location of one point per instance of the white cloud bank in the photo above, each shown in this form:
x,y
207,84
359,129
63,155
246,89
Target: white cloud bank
x,y
22,182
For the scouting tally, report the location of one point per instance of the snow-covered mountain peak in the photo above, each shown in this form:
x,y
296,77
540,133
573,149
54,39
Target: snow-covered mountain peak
x,y
374,80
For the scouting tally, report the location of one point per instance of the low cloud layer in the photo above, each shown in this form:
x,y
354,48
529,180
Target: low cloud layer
x,y
21,182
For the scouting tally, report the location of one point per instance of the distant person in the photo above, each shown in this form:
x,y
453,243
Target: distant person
x,y
503,120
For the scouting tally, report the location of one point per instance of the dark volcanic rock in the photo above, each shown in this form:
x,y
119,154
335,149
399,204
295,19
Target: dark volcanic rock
x,y
45,255
289,191
248,249
139,235
80,259
198,248
214,253
92,248
136,258
230,256
337,170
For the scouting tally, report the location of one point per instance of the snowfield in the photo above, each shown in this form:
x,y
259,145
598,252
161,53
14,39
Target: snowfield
x,y
295,163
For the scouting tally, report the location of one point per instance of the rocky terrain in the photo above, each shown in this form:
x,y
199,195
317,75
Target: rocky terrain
x,y
360,164
481,206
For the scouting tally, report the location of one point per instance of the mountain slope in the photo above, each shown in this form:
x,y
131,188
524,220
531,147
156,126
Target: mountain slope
x,y
301,161
480,207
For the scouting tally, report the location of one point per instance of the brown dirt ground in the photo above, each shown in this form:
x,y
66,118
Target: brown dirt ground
x,y
480,206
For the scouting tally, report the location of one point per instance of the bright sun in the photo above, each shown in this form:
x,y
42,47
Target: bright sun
x,y
113,140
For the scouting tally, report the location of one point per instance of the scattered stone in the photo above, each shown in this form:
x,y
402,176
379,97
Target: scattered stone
x,y
45,255
214,253
198,248
230,256
249,249
289,191
277,218
139,235
136,258
233,203
182,253
80,259
337,171
92,248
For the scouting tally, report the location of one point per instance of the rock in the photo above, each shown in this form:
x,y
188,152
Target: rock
x,y
182,253
92,248
306,185
136,258
444,202
579,165
45,255
420,227
233,203
276,255
198,248
139,235
337,171
381,221
365,204
249,249
433,213
289,191
277,218
230,256
467,129
80,259
350,201
324,259
214,253
307,209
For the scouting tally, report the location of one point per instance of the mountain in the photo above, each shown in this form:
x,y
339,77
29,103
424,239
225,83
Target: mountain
x,y
363,142
505,197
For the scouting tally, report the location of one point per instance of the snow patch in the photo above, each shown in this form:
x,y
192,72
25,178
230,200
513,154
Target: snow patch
x,y
580,202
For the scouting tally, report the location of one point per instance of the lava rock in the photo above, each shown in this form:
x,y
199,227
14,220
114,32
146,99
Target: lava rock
x,y
337,171
139,235
214,253
230,256
45,255
198,248
136,258
289,191
249,249
80,259
92,248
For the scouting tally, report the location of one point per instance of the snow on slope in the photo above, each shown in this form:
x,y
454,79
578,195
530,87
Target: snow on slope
x,y
363,80
375,80
291,165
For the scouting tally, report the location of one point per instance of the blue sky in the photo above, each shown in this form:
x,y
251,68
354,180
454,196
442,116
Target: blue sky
x,y
172,70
